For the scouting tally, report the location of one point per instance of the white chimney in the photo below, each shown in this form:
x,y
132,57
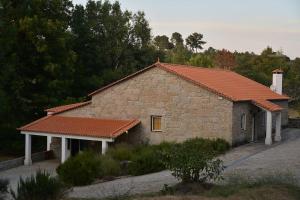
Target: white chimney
x,y
277,81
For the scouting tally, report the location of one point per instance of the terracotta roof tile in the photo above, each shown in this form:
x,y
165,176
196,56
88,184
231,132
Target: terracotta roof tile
x,y
78,126
225,83
64,108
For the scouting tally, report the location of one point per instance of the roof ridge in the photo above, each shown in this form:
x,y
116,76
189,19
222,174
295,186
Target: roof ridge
x,y
199,67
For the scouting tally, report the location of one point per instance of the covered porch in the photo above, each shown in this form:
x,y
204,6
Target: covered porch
x,y
73,131
273,120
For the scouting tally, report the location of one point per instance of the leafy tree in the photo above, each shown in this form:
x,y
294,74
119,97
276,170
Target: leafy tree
x,y
178,55
201,60
195,42
36,59
177,39
163,43
225,59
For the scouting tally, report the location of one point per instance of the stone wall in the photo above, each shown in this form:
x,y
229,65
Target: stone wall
x,y
294,123
187,110
36,157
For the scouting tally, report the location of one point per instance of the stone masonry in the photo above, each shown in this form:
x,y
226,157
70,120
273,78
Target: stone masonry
x,y
187,110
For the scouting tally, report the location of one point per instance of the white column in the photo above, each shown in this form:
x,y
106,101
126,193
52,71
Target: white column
x,y
104,147
49,140
27,160
268,139
63,149
278,127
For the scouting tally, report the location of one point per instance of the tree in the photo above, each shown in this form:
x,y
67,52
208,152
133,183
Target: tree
x,y
178,55
163,43
176,39
36,60
225,59
201,60
194,42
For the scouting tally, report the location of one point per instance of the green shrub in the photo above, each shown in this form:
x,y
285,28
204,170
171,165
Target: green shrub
x,y
144,161
3,188
39,187
110,167
81,169
220,146
121,152
194,161
215,146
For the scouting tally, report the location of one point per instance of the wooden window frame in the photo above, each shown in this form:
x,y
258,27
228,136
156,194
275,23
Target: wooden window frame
x,y
152,123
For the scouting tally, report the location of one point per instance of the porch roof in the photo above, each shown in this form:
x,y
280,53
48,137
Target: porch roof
x,y
79,126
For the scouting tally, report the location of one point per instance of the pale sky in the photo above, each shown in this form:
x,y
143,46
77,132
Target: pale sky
x,y
242,25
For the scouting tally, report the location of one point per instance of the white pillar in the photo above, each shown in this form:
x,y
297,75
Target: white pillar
x,y
104,147
278,127
63,149
268,139
49,140
27,160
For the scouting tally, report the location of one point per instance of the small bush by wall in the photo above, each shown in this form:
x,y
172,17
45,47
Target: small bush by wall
x,y
110,167
121,152
81,169
39,187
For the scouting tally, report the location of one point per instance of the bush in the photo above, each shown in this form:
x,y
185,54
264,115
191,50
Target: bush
x,y
220,146
39,187
110,167
3,188
121,152
146,160
81,169
194,161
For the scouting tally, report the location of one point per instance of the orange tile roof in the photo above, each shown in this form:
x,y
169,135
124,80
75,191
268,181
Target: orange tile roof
x,y
225,83
79,126
64,108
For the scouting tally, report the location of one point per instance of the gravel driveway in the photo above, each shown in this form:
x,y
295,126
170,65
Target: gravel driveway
x,y
14,174
251,159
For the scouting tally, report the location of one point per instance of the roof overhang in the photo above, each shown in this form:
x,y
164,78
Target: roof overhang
x,y
79,127
67,136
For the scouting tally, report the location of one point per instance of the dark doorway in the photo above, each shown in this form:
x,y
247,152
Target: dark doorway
x,y
75,146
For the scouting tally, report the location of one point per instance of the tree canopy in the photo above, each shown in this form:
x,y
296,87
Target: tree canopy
x,y
54,53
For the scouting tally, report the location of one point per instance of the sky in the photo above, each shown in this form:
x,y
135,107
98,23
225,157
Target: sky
x,y
242,25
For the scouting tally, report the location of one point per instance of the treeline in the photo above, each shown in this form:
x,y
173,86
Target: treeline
x,y
54,52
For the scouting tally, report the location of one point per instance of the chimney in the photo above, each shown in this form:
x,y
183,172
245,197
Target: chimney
x,y
277,81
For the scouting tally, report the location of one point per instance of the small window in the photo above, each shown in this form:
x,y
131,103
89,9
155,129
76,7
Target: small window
x,y
243,121
156,123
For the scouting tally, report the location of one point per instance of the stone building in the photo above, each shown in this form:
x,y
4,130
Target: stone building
x,y
166,102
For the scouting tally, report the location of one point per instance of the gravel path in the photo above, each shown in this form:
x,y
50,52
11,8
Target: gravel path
x,y
14,174
252,158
